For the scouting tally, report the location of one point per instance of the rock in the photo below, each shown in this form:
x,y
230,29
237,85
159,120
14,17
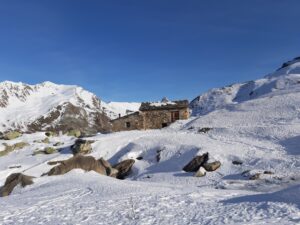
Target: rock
x,y
75,133
10,148
201,172
11,135
124,168
236,162
268,172
212,166
50,134
109,170
46,151
196,163
86,163
204,130
50,150
255,176
12,181
58,144
46,140
82,147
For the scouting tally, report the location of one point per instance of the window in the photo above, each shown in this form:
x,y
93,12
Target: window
x,y
127,124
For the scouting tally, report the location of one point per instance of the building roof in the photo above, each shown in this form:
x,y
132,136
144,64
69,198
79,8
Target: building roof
x,y
126,116
167,105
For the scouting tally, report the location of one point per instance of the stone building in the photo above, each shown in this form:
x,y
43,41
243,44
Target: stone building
x,y
153,115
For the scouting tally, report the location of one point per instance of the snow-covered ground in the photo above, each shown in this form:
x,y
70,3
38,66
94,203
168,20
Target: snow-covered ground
x,y
160,192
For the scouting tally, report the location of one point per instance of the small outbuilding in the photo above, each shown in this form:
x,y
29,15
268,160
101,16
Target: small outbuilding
x,y
153,115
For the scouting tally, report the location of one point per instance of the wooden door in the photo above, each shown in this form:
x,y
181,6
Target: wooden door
x,y
174,116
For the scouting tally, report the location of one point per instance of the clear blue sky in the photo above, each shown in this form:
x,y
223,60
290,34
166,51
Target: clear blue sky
x,y
144,50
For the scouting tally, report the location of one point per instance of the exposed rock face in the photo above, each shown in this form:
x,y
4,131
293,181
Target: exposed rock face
x,y
196,163
82,147
12,181
124,168
212,166
86,163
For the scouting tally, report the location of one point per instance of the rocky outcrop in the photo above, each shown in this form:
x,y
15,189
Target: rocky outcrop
x,y
12,181
196,163
86,163
124,168
82,147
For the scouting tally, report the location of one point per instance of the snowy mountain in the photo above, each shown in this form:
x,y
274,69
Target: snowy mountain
x,y
284,80
48,106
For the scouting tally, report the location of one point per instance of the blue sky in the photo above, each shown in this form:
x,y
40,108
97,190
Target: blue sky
x,y
144,50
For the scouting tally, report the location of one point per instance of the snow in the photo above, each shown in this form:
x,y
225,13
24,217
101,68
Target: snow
x,y
114,109
261,131
158,104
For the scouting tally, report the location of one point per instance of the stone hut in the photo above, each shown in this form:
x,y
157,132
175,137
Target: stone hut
x,y
153,115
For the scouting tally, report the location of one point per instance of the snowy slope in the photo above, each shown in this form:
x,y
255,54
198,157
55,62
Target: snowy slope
x,y
287,79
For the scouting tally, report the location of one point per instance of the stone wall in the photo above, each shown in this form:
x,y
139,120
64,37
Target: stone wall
x,y
154,119
135,121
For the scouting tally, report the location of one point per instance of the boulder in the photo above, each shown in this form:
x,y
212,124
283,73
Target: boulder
x,y
75,133
236,162
82,147
86,163
204,130
50,134
201,172
45,141
255,176
47,151
12,181
212,166
124,168
58,144
109,170
196,163
11,135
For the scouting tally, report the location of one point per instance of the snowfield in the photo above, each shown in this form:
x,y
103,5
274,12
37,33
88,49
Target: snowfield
x,y
262,133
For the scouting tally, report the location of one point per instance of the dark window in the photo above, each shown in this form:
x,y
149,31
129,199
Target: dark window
x,y
127,124
164,125
174,116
